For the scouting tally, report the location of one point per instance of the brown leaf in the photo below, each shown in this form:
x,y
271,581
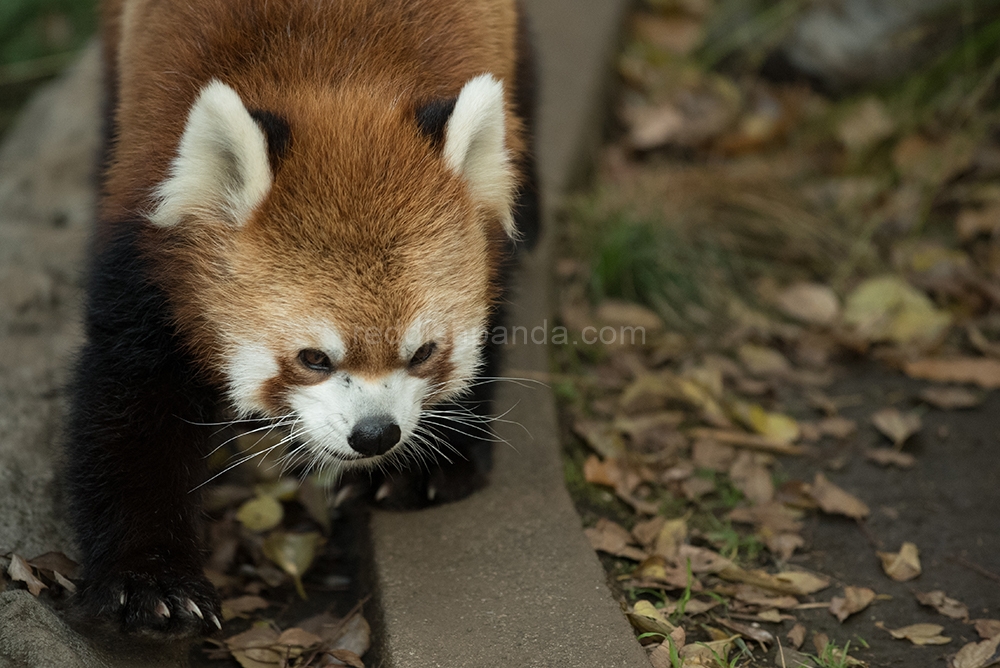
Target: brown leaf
x,y
834,500
752,478
20,571
812,303
598,472
950,398
978,655
709,454
921,634
346,657
678,35
971,223
56,562
890,457
975,370
783,545
743,440
792,658
621,314
903,565
987,628
948,607
601,436
655,569
763,361
607,536
646,531
837,427
239,607
774,517
895,425
296,637
797,635
670,538
855,599
747,631
759,597
867,124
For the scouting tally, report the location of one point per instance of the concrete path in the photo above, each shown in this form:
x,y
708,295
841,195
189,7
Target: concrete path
x,y
506,577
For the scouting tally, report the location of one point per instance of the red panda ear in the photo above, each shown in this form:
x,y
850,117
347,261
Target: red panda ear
x,y
474,147
221,171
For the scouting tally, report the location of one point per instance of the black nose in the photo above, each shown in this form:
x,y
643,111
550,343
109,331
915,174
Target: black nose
x,y
374,436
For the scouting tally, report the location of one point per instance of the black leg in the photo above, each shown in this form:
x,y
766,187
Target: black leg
x,y
134,455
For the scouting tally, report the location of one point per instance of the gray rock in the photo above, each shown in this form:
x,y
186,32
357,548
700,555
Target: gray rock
x,y
852,42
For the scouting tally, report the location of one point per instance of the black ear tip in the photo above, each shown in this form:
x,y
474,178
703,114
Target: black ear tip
x,y
278,133
432,117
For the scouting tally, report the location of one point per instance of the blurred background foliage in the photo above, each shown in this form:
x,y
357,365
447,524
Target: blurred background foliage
x,y
38,38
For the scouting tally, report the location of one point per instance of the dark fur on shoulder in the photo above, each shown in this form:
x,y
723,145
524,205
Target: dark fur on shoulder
x,y
135,450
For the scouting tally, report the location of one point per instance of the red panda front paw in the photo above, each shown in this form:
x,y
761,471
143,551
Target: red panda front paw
x,y
161,604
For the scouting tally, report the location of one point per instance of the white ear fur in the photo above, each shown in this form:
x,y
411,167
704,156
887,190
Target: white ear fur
x,y
474,146
221,169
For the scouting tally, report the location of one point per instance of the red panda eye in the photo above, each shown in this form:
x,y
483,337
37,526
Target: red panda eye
x,y
315,360
423,353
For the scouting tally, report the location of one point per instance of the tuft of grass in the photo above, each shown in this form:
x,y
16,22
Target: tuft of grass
x,y
833,656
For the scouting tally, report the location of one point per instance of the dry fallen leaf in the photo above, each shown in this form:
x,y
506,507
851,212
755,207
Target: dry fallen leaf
x,y
607,536
670,538
763,361
261,513
656,570
752,478
239,607
921,634
293,553
977,370
987,628
797,635
812,303
601,436
855,599
346,657
978,654
56,562
867,124
898,427
950,398
837,427
903,565
948,607
20,571
834,500
887,308
891,457
646,618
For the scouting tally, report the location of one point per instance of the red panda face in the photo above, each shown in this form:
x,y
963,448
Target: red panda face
x,y
344,289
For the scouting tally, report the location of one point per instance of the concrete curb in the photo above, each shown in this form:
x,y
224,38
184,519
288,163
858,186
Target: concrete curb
x,y
506,577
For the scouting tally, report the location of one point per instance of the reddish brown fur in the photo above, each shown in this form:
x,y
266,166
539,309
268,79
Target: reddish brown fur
x,y
364,227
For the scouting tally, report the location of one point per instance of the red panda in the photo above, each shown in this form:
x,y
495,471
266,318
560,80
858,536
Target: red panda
x,y
306,211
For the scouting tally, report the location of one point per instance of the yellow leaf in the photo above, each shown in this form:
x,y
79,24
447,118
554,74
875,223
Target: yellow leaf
x,y
283,489
293,553
887,308
262,513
